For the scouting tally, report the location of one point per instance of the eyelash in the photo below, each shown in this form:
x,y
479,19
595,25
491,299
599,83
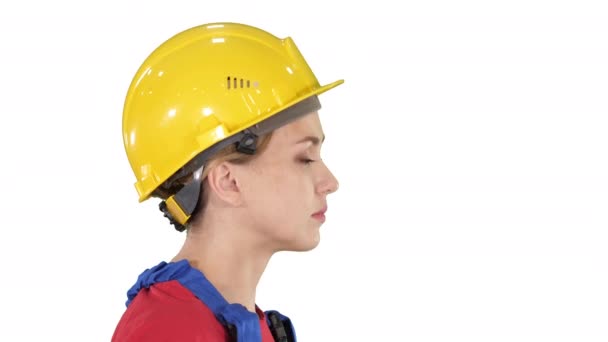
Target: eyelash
x,y
307,161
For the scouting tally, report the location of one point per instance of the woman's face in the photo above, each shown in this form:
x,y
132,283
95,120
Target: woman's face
x,y
285,188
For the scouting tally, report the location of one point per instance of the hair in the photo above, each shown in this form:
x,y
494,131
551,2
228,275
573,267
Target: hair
x,y
228,154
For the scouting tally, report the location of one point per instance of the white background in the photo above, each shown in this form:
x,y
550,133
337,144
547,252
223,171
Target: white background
x,y
470,140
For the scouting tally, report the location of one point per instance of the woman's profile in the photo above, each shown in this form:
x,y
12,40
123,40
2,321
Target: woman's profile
x,y
221,124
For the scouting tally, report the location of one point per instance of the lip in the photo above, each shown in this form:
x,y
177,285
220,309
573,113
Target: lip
x,y
321,212
320,215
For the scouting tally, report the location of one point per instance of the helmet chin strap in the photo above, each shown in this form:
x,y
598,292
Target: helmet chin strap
x,y
179,207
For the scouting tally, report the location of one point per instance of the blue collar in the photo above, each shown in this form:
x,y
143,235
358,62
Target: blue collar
x,y
247,323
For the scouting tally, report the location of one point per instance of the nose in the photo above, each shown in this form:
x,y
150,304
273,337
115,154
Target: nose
x,y
329,183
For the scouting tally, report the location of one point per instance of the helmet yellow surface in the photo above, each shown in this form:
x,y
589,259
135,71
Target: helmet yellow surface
x,y
203,85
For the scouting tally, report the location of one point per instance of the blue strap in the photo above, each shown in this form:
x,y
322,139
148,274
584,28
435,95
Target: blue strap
x,y
246,322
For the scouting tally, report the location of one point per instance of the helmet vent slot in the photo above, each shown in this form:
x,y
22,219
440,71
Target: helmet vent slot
x,y
235,83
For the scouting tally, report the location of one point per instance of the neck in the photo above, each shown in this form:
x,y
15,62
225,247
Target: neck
x,y
227,258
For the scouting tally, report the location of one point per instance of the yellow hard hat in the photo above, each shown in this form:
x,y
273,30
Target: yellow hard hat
x,y
205,88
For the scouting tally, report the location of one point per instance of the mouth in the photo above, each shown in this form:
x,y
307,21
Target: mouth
x,y
320,215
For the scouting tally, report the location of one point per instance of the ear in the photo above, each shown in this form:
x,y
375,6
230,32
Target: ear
x,y
223,184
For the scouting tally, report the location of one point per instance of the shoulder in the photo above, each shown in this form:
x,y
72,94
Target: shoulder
x,y
167,311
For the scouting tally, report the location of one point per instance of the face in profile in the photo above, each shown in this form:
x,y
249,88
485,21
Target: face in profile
x,y
285,188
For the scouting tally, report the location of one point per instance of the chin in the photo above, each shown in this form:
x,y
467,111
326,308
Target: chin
x,y
308,242
303,248
302,239
304,244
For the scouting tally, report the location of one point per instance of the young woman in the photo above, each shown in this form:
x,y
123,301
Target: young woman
x,y
221,123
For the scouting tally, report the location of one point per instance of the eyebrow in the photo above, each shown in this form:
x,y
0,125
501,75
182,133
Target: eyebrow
x,y
314,139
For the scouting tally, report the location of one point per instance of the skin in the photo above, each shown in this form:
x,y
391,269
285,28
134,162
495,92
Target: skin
x,y
256,209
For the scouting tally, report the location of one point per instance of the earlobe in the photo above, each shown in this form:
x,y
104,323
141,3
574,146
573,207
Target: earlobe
x,y
223,183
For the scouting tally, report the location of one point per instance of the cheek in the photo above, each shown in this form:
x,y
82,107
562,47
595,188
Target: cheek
x,y
284,194
292,183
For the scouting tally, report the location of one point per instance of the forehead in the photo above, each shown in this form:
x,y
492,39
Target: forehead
x,y
307,125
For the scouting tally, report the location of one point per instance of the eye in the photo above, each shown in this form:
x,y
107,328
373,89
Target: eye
x,y
306,161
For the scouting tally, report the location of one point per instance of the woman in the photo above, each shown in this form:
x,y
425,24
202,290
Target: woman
x,y
221,123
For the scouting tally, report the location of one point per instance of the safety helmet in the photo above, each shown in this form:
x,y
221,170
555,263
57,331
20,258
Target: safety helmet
x,y
203,89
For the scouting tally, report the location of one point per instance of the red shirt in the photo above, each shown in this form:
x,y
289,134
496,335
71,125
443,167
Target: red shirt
x,y
167,311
